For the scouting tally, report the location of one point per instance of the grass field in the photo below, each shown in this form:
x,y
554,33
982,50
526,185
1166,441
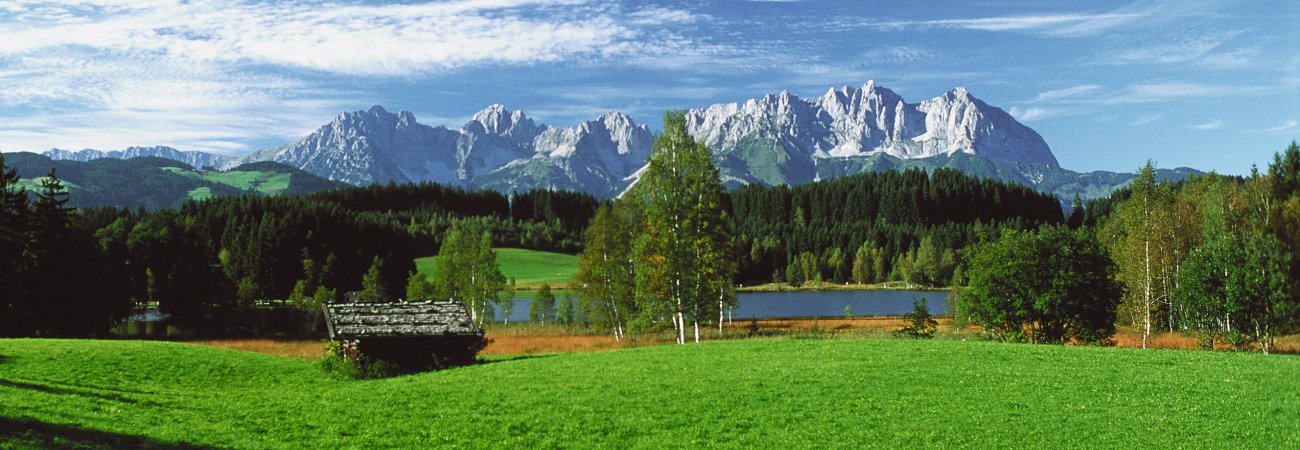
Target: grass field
x,y
34,184
269,183
530,268
768,393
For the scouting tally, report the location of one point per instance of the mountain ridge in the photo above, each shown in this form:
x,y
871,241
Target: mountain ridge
x,y
773,139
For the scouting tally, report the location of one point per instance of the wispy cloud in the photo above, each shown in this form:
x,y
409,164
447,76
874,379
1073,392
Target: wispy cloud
x,y
896,54
1064,25
656,15
1188,49
1146,119
1029,114
1211,125
1058,94
208,76
1148,91
344,39
1285,126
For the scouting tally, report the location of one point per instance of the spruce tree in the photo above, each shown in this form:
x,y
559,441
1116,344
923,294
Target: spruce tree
x,y
372,284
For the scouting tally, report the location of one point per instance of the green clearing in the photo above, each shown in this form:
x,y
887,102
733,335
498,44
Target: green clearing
x,y
530,268
766,393
34,184
200,193
269,183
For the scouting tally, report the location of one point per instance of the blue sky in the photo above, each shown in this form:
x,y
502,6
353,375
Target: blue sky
x,y
1209,85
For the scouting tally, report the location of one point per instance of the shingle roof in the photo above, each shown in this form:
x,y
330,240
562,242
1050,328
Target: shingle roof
x,y
385,320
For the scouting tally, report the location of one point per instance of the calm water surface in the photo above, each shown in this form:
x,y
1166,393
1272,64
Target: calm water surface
x,y
807,304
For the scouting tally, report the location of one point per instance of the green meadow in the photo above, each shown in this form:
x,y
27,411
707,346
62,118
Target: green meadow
x,y
530,268
266,182
757,393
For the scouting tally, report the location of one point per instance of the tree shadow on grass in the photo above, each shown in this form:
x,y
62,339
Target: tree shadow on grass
x,y
501,359
68,391
29,433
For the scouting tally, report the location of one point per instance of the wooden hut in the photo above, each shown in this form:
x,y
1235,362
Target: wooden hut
x,y
415,336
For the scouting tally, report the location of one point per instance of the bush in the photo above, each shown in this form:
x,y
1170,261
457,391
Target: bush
x,y
922,324
345,360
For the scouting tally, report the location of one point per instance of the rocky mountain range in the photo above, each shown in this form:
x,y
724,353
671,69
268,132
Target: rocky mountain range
x,y
775,139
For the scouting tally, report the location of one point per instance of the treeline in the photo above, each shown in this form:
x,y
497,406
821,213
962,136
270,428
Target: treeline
x,y
1212,256
207,264
57,277
873,227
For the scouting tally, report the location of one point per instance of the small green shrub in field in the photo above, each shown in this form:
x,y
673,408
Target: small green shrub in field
x,y
344,360
921,324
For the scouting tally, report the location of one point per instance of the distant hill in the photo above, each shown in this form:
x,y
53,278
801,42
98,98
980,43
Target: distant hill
x,y
155,183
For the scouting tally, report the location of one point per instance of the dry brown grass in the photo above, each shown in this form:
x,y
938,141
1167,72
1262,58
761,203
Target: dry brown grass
x,y
514,344
1132,338
531,338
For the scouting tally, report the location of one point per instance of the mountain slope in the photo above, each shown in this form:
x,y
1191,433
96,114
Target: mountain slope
x,y
778,139
154,183
498,148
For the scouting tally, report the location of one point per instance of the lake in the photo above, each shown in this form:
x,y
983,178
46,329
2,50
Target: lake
x,y
808,304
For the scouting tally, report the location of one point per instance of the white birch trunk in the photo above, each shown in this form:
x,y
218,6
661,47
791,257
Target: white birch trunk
x,y
681,330
1146,299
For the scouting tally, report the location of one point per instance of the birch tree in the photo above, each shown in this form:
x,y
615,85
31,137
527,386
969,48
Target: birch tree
x,y
606,279
466,270
1134,236
685,264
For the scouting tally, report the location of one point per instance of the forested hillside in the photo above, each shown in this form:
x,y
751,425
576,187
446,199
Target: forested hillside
x,y
207,263
155,183
908,226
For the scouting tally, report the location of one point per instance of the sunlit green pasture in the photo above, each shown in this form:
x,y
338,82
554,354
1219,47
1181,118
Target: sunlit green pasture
x,y
765,393
530,268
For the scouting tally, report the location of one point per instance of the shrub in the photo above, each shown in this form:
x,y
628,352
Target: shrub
x,y
345,360
922,324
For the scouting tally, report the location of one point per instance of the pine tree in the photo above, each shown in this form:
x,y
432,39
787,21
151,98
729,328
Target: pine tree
x,y
15,303
54,276
1076,213
372,284
418,288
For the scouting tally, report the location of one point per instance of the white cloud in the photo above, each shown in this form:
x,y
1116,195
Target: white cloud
x,y
218,76
1064,25
1029,114
399,39
896,54
655,15
1285,126
1211,125
1059,94
1169,90
1191,49
1146,119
